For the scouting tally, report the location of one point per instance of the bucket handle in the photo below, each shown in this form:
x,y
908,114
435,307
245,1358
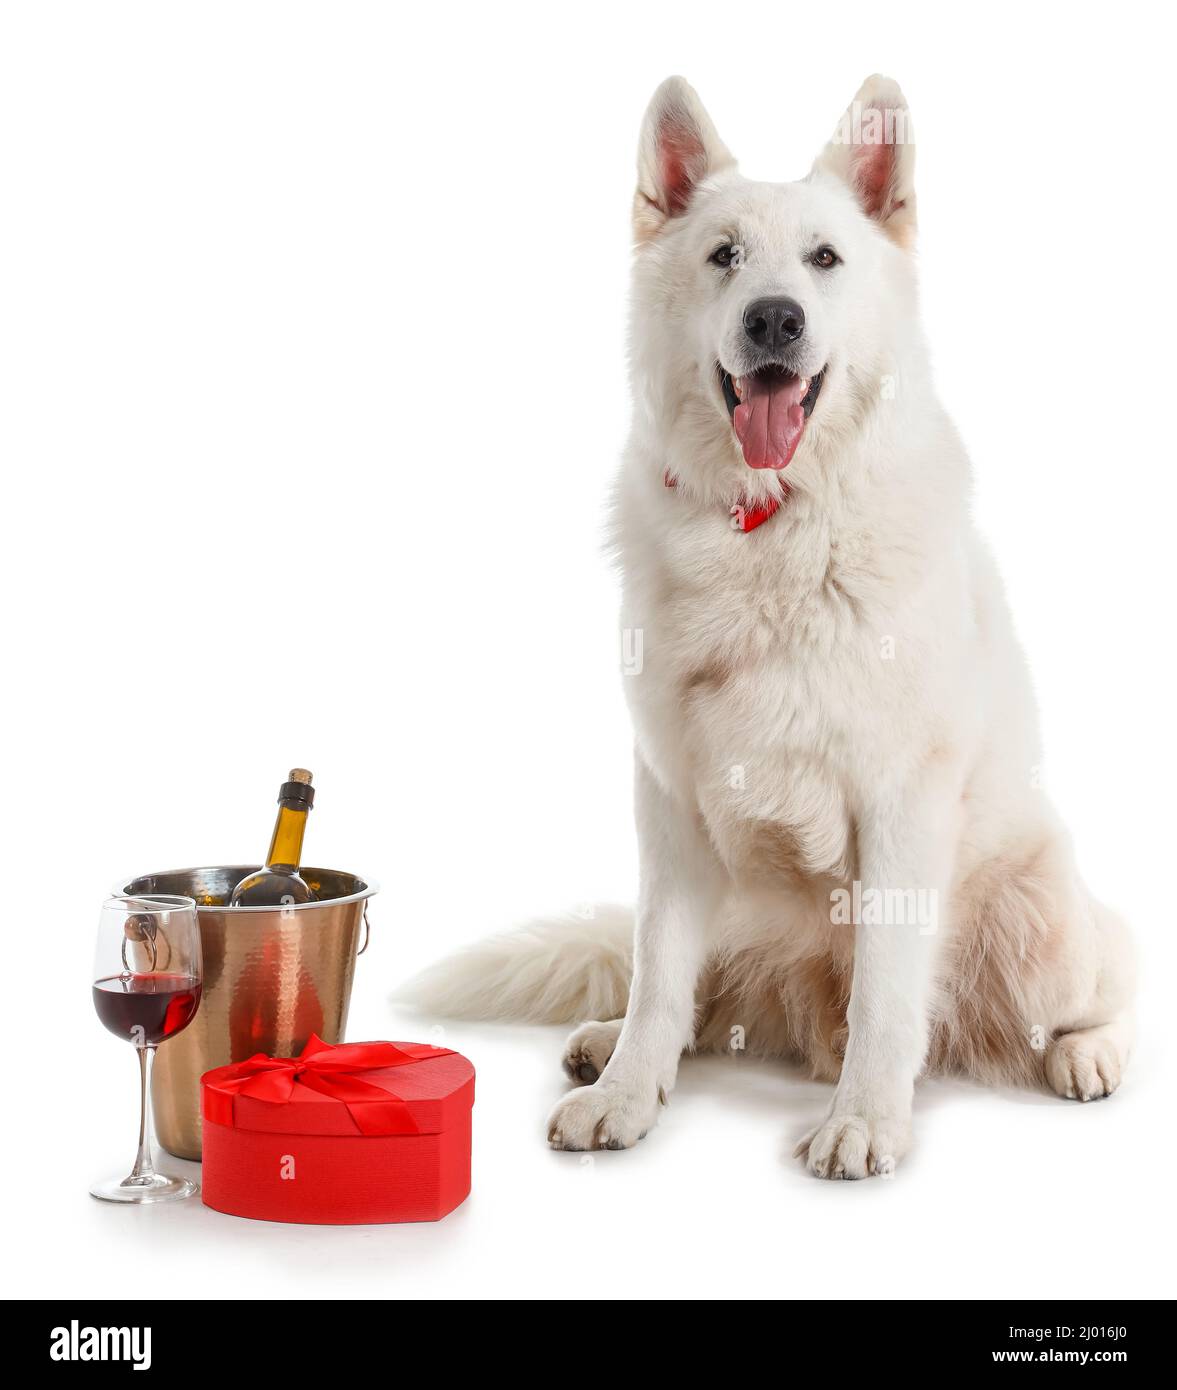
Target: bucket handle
x,y
367,933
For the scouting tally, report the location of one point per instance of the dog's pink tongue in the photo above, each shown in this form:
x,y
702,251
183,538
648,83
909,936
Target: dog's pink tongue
x,y
769,421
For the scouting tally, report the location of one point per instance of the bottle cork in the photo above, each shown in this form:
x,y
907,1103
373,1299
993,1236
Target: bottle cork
x,y
300,774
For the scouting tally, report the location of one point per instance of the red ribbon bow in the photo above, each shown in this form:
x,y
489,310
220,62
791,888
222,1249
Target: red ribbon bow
x,y
332,1071
745,515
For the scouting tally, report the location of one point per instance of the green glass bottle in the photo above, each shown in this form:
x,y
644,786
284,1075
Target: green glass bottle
x,y
278,883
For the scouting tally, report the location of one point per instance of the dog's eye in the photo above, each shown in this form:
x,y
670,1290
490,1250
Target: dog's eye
x,y
725,256
825,257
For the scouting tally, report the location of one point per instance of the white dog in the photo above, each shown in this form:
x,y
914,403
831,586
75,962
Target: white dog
x,y
845,855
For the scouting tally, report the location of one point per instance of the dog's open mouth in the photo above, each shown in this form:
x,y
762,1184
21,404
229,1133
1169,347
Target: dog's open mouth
x,y
769,410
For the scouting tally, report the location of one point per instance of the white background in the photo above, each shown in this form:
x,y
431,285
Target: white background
x,y
312,323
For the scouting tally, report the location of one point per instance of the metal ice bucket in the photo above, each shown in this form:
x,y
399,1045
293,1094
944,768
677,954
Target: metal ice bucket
x,y
272,977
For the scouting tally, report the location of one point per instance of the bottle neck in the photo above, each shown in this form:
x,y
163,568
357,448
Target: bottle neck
x,y
286,844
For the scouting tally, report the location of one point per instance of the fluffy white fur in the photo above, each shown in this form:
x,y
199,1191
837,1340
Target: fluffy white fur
x,y
835,697
557,971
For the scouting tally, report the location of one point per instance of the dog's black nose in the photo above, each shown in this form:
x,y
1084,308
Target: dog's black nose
x,y
774,323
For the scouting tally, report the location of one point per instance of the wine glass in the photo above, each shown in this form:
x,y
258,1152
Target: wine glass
x,y
147,980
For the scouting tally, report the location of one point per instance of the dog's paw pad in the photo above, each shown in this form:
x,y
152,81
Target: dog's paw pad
x,y
587,1051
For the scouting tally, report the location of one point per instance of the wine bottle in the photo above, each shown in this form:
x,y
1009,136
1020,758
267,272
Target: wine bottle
x,y
278,882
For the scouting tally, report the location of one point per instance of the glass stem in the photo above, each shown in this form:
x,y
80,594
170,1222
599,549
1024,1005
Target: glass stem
x,y
144,1168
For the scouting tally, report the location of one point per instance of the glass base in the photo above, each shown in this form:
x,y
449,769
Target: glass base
x,y
157,1187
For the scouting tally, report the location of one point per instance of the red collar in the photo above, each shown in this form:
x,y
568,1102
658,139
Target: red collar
x,y
745,515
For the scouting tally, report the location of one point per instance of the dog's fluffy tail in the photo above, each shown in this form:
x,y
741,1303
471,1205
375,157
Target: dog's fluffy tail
x,y
561,970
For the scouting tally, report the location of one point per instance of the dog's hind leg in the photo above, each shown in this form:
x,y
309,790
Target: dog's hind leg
x,y
1087,1064
720,1027
1086,1061
587,1051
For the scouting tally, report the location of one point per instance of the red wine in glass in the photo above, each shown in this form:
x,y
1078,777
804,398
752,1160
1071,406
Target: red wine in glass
x,y
145,987
147,1008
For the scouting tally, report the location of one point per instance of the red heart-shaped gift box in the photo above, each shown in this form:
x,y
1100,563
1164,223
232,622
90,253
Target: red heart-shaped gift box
x,y
359,1132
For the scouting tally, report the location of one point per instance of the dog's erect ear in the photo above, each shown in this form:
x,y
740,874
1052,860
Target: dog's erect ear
x,y
873,150
679,148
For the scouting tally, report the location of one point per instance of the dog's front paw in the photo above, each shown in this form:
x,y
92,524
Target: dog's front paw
x,y
602,1116
851,1146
